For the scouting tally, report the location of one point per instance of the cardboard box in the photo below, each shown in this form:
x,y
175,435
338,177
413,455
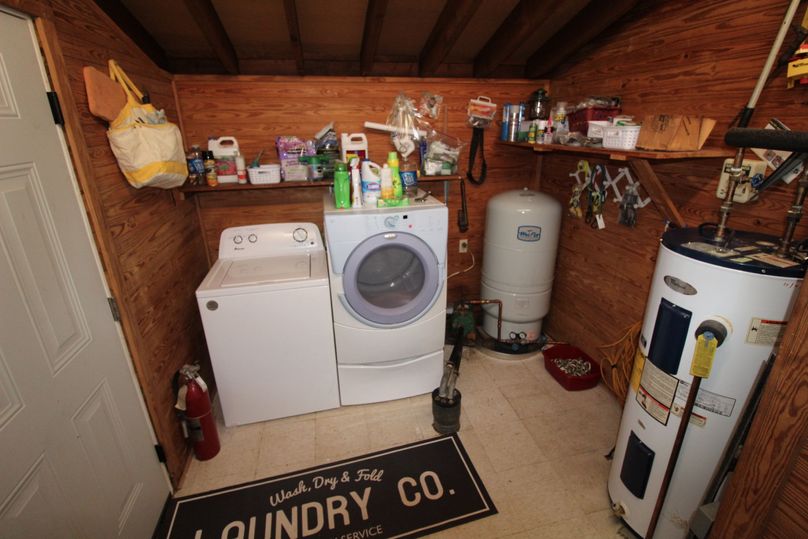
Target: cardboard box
x,y
674,132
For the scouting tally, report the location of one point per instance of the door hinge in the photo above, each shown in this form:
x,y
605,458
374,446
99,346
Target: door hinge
x,y
113,307
56,108
161,453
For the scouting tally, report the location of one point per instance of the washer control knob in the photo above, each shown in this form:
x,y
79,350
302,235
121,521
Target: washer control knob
x,y
391,222
212,305
238,239
252,238
300,234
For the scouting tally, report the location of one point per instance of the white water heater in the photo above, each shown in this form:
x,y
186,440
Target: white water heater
x,y
741,290
521,239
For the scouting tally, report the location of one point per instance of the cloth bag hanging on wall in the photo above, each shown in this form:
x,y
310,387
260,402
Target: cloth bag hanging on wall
x,y
148,147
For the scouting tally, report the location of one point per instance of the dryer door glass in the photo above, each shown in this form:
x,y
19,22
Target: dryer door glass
x,y
391,278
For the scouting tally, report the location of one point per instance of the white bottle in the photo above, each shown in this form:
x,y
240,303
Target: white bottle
x,y
356,188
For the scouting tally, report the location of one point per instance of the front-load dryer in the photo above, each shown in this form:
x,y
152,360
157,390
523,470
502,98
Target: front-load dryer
x,y
266,311
387,268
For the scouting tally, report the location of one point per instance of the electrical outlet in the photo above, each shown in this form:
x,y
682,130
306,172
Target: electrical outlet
x,y
463,246
744,191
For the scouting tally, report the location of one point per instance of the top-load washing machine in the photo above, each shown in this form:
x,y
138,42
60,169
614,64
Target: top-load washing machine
x,y
266,311
387,268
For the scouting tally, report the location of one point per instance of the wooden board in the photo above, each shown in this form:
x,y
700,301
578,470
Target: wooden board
x,y
105,97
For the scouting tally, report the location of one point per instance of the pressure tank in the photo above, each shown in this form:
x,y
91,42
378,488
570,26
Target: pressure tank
x,y
521,239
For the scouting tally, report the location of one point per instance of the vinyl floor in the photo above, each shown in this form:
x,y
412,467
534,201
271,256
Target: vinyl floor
x,y
539,449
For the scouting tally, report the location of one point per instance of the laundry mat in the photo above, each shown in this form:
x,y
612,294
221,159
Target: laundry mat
x,y
407,491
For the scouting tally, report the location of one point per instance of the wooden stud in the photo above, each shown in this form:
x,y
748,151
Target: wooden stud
x,y
208,21
450,25
583,28
527,18
138,33
293,26
374,22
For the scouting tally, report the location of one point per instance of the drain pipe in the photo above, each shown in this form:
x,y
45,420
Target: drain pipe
x,y
746,114
499,311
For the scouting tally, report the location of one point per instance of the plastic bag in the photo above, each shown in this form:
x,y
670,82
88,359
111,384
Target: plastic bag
x,y
404,118
441,154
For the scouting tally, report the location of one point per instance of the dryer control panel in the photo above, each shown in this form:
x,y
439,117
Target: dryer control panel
x,y
276,239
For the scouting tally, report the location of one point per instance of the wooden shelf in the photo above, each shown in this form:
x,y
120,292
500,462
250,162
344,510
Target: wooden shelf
x,y
185,191
638,161
623,155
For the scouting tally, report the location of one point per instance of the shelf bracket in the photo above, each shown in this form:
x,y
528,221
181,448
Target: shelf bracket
x,y
652,184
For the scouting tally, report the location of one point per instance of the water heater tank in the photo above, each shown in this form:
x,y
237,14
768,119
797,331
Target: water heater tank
x,y
521,239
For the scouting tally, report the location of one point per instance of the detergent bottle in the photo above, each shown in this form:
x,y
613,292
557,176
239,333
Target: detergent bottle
x,y
342,185
356,185
387,183
395,176
371,182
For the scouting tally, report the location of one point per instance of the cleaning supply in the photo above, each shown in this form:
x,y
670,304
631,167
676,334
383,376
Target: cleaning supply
x,y
409,177
241,169
353,145
387,183
356,185
395,176
224,151
371,182
342,185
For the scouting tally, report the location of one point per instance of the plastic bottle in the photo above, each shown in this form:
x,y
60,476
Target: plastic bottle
x,y
342,185
210,169
241,169
371,182
356,187
395,176
196,166
409,177
387,182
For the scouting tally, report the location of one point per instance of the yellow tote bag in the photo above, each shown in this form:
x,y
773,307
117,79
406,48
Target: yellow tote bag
x,y
148,147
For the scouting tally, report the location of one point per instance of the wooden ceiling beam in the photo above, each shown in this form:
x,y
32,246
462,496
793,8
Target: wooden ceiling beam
x,y
121,16
450,25
527,17
374,20
208,21
293,25
583,28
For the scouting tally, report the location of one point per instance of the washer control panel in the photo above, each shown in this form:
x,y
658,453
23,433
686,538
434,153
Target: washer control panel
x,y
274,239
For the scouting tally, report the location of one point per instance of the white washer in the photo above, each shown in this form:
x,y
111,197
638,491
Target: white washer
x,y
387,268
266,311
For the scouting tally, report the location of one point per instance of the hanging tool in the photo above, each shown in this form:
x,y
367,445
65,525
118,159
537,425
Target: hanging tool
x,y
463,212
477,141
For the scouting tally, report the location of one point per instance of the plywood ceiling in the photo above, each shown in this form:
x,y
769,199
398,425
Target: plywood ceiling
x,y
481,38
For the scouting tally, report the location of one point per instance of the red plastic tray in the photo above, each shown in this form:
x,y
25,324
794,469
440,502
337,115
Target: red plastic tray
x,y
570,383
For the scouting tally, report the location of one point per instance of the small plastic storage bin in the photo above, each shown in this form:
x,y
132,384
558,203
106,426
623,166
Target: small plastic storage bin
x,y
264,174
579,120
596,128
621,137
570,383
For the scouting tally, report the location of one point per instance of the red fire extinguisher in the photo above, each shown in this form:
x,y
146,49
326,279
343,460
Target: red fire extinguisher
x,y
193,400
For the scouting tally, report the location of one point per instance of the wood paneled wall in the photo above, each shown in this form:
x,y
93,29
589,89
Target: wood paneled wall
x,y
695,58
669,57
150,246
257,109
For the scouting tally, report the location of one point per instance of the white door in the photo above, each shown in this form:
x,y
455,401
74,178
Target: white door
x,y
76,450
